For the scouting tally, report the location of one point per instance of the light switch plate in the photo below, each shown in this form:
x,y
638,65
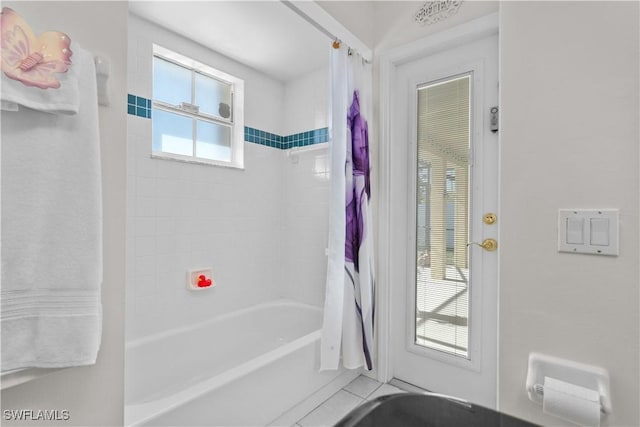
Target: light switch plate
x,y
599,234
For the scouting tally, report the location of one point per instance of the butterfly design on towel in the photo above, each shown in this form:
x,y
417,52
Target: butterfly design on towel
x,y
29,59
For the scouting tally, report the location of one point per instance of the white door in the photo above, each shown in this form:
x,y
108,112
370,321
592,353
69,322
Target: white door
x,y
443,181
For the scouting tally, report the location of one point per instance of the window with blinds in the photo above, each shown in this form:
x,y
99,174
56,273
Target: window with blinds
x,y
442,230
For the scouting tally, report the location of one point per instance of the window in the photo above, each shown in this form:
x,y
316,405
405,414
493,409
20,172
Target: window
x,y
442,288
197,111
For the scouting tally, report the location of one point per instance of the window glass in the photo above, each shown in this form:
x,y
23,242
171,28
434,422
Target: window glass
x,y
196,116
172,133
442,276
213,141
213,96
171,82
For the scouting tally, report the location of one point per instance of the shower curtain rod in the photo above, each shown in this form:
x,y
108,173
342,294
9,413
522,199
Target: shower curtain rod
x,y
316,25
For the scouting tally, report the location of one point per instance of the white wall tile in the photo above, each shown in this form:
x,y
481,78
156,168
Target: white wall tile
x,y
144,286
306,102
145,246
306,218
145,207
167,207
166,225
145,165
261,229
145,186
145,265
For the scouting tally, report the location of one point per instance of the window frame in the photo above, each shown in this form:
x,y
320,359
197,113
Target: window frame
x,y
235,122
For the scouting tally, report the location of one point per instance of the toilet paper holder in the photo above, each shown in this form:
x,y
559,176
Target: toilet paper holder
x,y
588,376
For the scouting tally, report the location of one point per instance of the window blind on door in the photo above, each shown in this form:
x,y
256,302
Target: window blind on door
x,y
442,285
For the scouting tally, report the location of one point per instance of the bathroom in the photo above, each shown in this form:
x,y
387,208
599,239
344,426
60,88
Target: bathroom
x,y
568,74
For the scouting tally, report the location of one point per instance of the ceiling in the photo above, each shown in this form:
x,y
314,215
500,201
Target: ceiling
x,y
265,35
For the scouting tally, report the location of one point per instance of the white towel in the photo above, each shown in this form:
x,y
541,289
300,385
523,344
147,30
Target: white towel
x,y
63,100
51,314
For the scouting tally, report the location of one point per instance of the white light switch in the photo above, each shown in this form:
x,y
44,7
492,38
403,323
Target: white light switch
x,y
575,233
588,231
600,231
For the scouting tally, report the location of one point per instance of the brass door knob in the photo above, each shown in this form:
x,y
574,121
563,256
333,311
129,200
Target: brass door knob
x,y
487,244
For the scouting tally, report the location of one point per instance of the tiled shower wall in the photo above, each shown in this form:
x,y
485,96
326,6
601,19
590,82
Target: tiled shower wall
x,y
306,192
184,216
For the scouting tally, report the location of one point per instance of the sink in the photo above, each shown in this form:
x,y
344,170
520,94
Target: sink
x,y
426,410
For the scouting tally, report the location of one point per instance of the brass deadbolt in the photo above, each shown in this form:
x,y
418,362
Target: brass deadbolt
x,y
490,218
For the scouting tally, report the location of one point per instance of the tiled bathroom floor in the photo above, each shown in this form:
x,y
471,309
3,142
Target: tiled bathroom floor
x,y
341,403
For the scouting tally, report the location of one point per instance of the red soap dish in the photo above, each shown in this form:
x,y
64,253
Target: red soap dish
x,y
199,280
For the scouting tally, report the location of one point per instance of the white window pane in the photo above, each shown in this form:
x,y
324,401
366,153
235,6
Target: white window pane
x,y
214,141
171,83
172,133
213,96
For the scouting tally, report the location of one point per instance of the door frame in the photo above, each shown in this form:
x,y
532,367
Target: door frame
x,y
389,62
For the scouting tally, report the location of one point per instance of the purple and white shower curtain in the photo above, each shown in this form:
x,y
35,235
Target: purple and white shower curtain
x,y
347,328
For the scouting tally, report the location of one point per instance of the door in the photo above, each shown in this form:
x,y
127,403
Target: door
x,y
444,182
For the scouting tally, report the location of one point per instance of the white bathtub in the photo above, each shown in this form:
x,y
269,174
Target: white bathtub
x,y
245,368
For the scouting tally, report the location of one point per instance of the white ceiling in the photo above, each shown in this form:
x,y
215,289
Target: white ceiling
x,y
265,35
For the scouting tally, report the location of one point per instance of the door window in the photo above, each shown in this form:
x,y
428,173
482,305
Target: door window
x,y
442,216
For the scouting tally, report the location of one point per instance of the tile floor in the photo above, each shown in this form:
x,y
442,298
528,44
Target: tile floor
x,y
341,403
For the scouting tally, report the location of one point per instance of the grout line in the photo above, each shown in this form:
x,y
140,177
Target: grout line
x,y
319,405
353,394
374,390
371,392
363,400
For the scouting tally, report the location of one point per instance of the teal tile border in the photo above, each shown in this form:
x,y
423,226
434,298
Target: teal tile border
x,y
138,106
141,107
301,139
261,137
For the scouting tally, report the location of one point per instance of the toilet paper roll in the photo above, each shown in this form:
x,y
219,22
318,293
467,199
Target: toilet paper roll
x,y
571,402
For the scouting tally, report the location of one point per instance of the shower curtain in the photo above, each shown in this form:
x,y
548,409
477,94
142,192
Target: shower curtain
x,y
347,329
